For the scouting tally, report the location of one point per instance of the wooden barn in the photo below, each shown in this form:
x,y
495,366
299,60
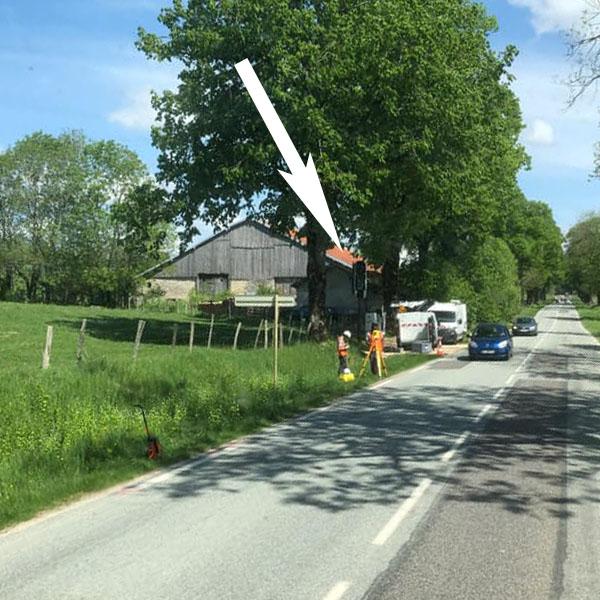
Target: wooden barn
x,y
249,258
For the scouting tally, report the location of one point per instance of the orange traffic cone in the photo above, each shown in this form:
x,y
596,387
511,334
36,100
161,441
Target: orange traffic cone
x,y
440,348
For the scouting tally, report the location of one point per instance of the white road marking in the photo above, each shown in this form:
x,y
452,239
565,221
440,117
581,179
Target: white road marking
x,y
391,526
447,456
337,591
486,408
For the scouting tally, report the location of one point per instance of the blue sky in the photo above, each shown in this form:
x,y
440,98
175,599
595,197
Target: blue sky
x,y
72,64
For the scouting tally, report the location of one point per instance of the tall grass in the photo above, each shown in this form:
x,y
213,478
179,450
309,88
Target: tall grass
x,y
74,427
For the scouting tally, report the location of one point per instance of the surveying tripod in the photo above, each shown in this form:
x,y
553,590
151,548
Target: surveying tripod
x,y
376,350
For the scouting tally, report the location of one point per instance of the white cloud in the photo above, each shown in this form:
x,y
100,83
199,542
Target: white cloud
x,y
137,83
544,97
137,113
553,15
541,133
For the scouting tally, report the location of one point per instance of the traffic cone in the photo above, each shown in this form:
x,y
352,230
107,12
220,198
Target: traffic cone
x,y
440,349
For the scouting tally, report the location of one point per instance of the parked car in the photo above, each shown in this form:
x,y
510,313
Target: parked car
x,y
491,340
525,326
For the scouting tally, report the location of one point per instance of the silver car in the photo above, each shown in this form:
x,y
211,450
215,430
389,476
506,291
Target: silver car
x,y
525,326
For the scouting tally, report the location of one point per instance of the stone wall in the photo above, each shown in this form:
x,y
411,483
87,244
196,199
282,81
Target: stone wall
x,y
175,289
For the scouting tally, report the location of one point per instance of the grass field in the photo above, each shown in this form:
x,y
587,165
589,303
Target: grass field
x,y
74,427
590,316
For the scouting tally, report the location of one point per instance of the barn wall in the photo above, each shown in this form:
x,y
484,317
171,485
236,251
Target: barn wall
x,y
244,253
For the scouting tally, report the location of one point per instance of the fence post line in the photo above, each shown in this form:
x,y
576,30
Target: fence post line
x,y
237,333
174,340
276,326
191,342
210,332
258,334
138,338
47,347
81,340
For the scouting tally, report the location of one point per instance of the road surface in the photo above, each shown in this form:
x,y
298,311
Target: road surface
x,y
459,480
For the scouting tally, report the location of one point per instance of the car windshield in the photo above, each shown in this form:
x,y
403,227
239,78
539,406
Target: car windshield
x,y
525,321
489,331
445,316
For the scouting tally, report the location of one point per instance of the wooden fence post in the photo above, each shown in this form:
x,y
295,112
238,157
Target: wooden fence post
x,y
290,336
81,340
138,338
266,333
191,342
280,335
210,332
47,347
174,340
237,333
276,326
258,334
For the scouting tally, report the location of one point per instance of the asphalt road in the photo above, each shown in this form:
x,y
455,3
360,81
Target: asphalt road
x,y
459,480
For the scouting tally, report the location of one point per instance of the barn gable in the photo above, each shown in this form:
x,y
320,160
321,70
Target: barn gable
x,y
238,260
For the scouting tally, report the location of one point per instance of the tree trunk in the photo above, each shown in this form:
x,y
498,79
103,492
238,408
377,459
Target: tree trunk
x,y
31,285
6,284
390,277
316,273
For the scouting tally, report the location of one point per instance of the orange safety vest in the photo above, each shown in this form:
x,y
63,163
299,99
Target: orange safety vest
x,y
342,346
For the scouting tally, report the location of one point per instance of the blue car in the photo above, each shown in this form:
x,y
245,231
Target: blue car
x,y
491,340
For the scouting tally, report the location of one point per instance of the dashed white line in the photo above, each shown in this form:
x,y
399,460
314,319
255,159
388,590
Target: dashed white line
x,y
337,591
447,456
384,535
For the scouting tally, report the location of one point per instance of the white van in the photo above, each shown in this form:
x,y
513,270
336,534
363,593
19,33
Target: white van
x,y
417,327
452,320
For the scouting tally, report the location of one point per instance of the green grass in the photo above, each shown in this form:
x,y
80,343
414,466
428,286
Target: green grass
x,y
590,316
74,428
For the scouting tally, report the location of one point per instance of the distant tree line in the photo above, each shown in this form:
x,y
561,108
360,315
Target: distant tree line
x,y
411,118
71,213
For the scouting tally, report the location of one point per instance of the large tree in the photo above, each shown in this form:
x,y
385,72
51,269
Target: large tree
x,y
391,98
63,227
583,257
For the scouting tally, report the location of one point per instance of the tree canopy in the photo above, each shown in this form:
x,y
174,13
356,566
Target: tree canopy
x,y
583,257
405,107
64,235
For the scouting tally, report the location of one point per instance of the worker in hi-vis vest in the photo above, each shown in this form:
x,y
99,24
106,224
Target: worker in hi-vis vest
x,y
343,345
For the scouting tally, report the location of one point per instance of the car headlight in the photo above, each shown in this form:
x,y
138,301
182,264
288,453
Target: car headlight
x,y
503,344
472,344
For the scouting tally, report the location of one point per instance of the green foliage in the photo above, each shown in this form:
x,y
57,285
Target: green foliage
x,y
495,282
64,234
75,427
263,289
583,257
536,242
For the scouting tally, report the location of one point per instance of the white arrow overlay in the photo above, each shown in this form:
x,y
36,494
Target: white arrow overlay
x,y
303,179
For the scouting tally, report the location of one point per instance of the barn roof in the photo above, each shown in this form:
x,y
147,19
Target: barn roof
x,y
341,258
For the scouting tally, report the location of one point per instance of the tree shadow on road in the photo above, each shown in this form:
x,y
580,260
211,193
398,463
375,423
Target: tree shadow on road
x,y
378,445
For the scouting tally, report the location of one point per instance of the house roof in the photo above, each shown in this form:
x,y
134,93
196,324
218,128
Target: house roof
x,y
340,255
